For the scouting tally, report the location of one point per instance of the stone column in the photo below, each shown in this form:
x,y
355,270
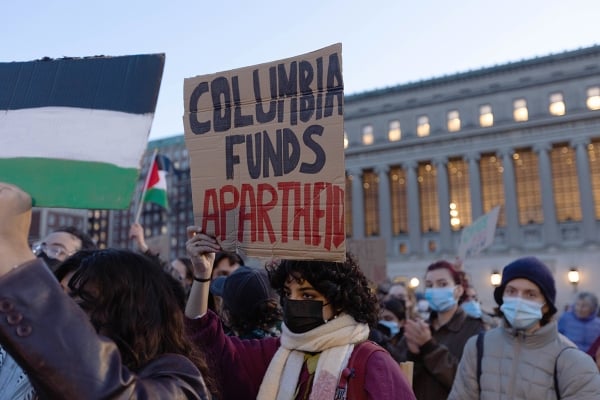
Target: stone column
x,y
385,212
414,208
588,212
511,208
548,206
444,204
358,204
475,185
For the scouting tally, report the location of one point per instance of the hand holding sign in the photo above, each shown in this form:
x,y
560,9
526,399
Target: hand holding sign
x,y
201,249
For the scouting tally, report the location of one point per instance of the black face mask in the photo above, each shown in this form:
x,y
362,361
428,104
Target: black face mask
x,y
52,263
302,315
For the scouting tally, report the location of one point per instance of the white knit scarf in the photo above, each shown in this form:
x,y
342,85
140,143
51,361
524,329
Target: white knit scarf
x,y
334,340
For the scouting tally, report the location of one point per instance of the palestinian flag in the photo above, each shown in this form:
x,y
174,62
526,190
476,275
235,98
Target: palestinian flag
x,y
73,131
156,181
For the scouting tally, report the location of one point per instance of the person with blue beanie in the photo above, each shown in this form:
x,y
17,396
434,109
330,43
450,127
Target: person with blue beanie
x,y
526,358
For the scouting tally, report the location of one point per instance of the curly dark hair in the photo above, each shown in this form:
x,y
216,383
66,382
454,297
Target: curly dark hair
x,y
131,300
342,283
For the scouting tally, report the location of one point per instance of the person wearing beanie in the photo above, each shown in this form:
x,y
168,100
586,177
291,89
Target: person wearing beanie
x,y
250,306
526,358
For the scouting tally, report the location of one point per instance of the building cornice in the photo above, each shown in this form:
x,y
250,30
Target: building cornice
x,y
486,72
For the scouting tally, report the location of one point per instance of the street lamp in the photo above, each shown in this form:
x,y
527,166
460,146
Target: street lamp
x,y
495,278
573,276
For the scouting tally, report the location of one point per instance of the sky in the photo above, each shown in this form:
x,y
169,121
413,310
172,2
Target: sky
x,y
384,43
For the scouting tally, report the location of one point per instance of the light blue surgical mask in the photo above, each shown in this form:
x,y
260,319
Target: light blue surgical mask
x,y
440,299
391,325
472,308
521,314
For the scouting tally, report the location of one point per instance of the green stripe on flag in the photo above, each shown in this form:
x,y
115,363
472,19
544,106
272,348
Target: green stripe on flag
x,y
156,196
71,183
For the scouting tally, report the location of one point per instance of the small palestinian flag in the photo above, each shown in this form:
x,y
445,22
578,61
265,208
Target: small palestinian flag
x,y
156,183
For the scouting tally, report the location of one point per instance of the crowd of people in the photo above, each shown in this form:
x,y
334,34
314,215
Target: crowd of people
x,y
82,322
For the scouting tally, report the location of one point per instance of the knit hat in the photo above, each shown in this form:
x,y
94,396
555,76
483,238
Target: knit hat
x,y
243,289
533,270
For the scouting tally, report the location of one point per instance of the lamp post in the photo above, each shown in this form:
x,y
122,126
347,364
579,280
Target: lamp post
x,y
573,276
495,278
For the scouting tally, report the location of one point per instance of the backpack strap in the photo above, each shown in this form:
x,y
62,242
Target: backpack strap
x,y
479,343
556,389
352,381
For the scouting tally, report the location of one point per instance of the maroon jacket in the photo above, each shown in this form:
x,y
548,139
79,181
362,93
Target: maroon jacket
x,y
240,365
53,341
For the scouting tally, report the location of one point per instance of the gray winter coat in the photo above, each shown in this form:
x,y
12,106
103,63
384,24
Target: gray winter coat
x,y
518,366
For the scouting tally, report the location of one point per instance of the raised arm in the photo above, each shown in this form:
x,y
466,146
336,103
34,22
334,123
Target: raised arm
x,y
15,219
136,233
52,338
201,249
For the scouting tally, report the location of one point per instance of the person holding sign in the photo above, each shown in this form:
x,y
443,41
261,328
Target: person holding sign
x,y
78,349
323,352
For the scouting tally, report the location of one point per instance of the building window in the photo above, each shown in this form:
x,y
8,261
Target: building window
x,y
593,98
520,112
367,135
432,246
428,198
371,196
402,248
346,142
565,183
348,205
453,121
557,104
486,118
492,185
594,157
529,192
460,194
423,126
399,198
394,132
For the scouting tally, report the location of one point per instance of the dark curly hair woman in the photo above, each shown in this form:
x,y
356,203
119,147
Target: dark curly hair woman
x,y
322,353
342,284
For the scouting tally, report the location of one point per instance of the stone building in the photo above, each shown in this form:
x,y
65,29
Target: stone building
x,y
426,159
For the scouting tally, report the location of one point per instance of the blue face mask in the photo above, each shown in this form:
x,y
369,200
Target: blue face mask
x,y
472,308
521,314
391,325
440,299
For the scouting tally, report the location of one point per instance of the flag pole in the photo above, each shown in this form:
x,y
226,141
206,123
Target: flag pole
x,y
141,201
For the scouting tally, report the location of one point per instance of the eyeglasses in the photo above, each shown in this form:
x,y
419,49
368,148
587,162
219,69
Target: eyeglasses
x,y
55,251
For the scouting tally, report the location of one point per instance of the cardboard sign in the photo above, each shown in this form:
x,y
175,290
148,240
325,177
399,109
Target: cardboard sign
x,y
73,130
478,235
371,255
267,158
